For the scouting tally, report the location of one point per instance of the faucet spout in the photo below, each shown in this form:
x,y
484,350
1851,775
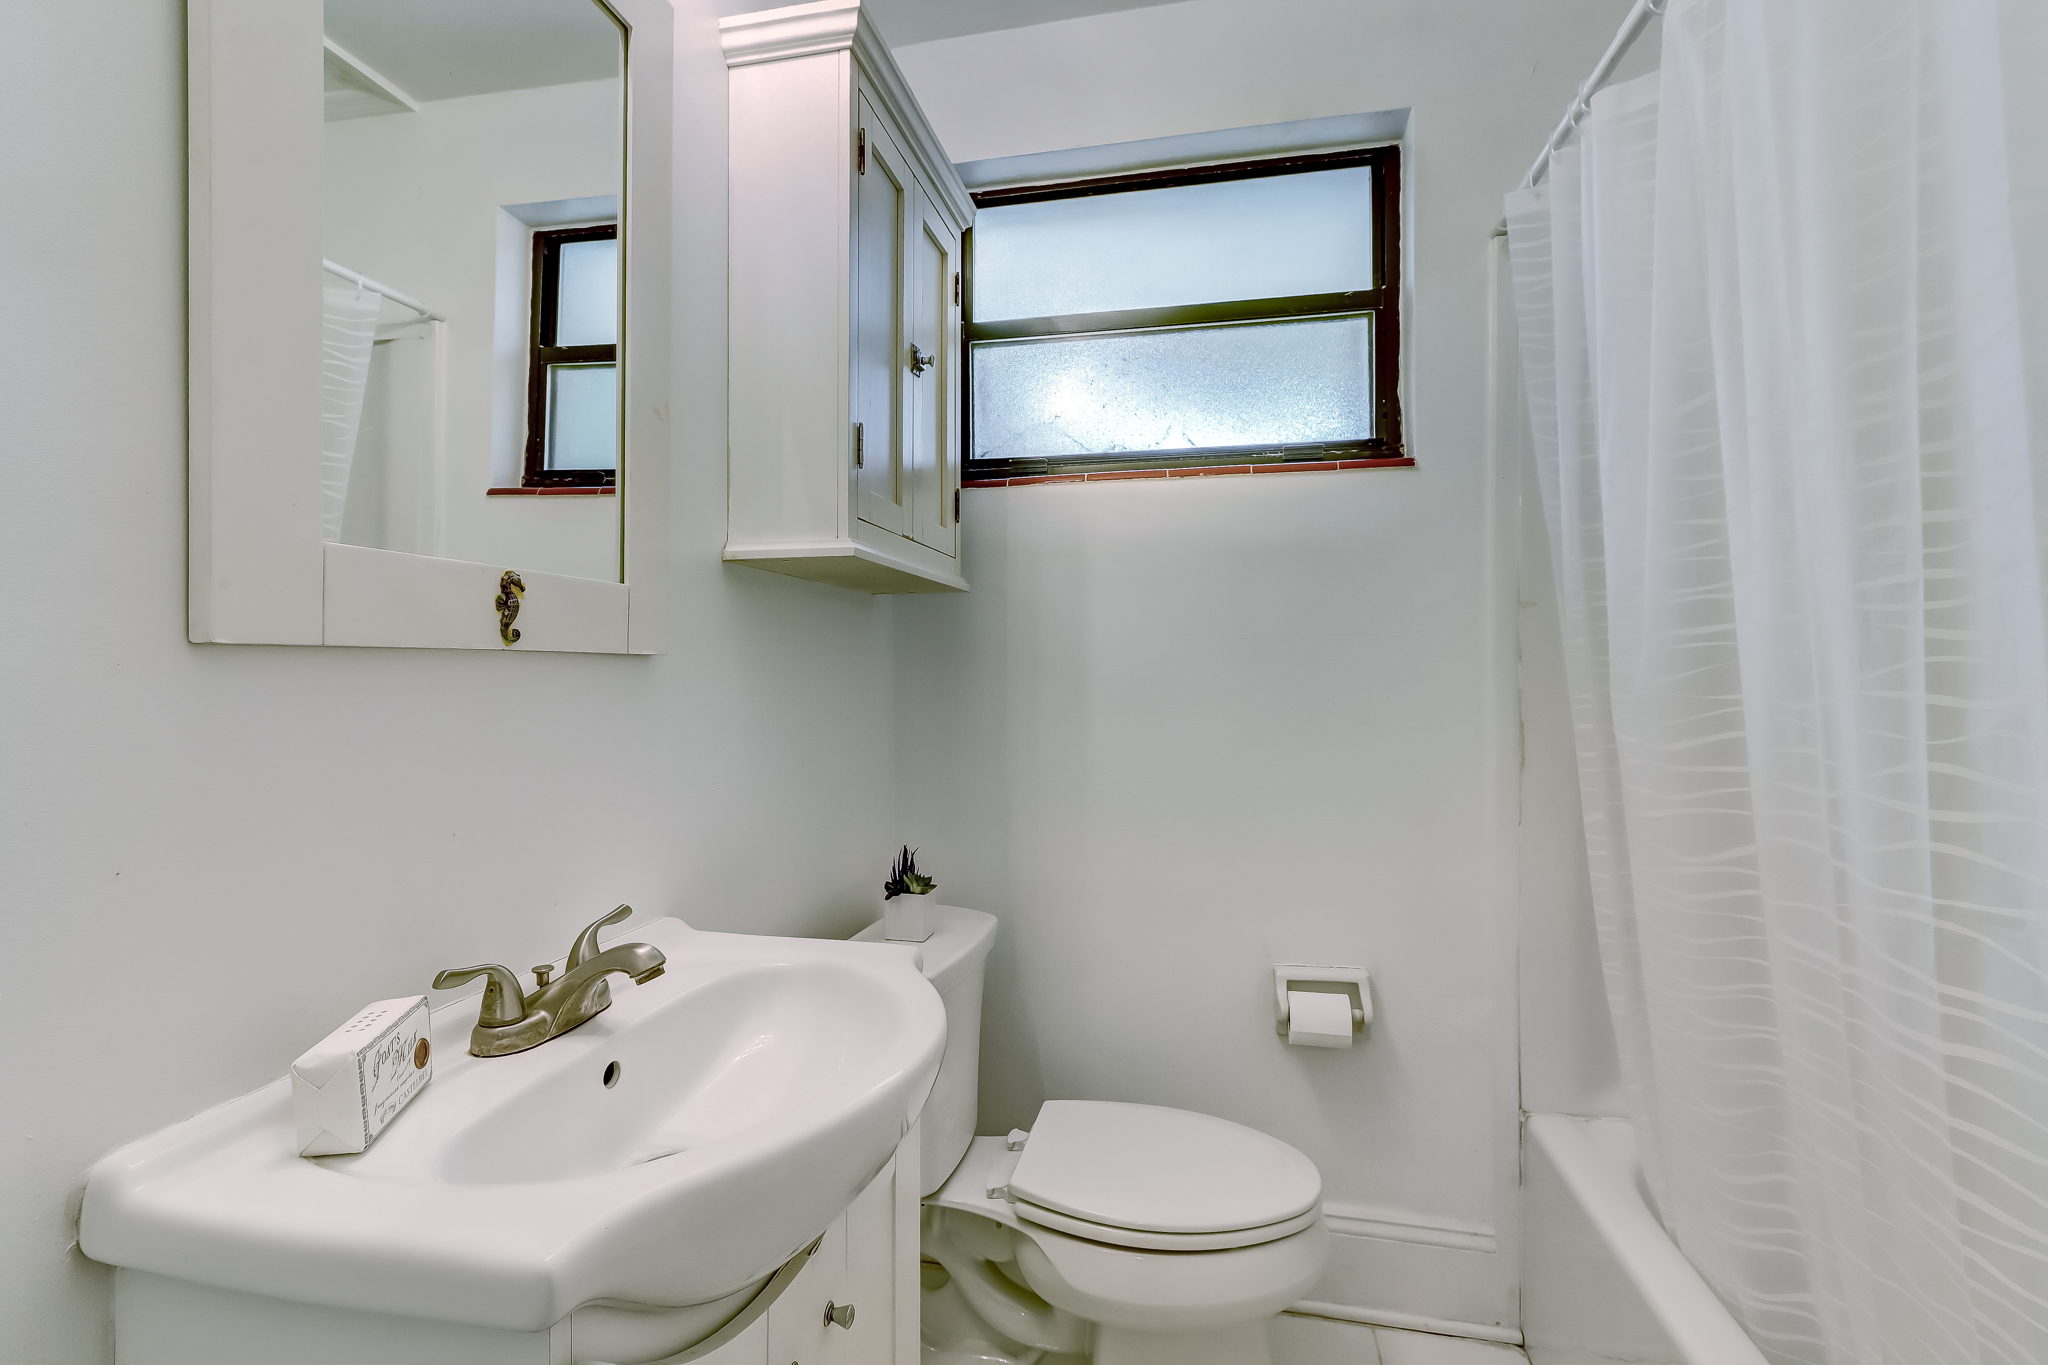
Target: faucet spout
x,y
640,961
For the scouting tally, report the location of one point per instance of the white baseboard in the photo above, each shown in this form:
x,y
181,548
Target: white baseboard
x,y
1447,1277
1407,1322
1388,1225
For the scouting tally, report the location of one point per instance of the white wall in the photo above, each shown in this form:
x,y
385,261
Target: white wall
x,y
416,201
210,854
1184,729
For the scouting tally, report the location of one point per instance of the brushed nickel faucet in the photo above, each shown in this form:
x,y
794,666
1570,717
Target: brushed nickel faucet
x,y
511,1021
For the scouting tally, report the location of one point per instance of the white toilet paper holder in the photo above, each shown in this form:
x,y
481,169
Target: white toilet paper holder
x,y
1354,982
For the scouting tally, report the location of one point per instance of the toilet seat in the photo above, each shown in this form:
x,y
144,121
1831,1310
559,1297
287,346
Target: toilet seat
x,y
1139,1240
1158,1179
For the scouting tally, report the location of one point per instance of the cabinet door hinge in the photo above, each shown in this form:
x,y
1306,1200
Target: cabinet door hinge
x,y
860,153
860,445
956,286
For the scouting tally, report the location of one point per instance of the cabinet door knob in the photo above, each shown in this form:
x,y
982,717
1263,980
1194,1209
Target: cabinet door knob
x,y
921,359
839,1314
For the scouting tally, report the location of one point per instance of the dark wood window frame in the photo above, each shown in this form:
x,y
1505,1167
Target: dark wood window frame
x,y
544,354
1381,303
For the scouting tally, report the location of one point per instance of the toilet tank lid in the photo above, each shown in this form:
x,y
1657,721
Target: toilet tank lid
x,y
959,943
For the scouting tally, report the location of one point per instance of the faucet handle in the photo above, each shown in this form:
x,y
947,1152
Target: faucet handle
x,y
504,1003
585,946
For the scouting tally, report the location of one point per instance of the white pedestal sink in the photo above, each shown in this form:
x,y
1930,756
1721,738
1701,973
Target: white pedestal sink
x,y
754,1089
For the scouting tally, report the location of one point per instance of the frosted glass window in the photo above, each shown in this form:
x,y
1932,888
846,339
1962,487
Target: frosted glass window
x,y
1259,384
1267,237
587,297
583,416
1243,314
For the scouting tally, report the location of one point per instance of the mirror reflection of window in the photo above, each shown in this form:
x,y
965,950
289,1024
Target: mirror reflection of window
x,y
474,161
572,416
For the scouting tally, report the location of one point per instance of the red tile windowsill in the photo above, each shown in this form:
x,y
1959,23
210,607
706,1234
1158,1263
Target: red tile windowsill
x,y
1200,471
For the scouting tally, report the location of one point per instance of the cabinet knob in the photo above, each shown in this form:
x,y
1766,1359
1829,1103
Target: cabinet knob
x,y
839,1314
921,359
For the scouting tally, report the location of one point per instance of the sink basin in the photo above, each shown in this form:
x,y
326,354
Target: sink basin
x,y
672,1151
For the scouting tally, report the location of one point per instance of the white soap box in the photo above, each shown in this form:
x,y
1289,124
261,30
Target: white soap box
x,y
349,1086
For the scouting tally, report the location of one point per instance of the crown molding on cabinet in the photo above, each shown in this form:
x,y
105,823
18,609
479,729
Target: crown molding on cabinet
x,y
792,31
828,26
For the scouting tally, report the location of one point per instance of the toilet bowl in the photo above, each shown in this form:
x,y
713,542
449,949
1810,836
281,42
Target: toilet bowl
x,y
1129,1234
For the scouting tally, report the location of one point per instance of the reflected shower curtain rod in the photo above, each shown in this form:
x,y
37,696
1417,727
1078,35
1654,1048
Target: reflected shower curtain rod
x,y
1631,29
362,281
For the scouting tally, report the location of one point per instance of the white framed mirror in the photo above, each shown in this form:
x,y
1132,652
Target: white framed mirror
x,y
429,252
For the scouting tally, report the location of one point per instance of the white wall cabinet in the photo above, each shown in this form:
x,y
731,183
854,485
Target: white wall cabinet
x,y
845,310
866,1262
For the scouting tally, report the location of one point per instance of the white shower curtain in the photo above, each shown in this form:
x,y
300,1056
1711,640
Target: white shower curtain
x,y
1784,319
348,336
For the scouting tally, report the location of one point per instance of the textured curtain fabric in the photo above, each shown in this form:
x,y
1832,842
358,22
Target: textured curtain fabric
x,y
1784,322
348,336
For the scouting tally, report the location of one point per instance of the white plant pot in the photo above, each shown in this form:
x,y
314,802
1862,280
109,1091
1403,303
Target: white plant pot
x,y
907,919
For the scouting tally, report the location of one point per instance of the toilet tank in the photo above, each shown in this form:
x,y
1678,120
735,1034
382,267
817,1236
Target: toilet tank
x,y
954,960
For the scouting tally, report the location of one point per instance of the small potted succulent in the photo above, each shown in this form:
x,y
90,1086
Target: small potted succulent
x,y
906,903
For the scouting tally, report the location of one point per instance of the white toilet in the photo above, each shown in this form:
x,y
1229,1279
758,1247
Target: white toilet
x,y
1125,1233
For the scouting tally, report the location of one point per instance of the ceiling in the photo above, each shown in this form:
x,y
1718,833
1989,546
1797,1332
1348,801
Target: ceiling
x,y
904,22
442,49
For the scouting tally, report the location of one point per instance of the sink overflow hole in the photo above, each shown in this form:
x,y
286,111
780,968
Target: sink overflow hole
x,y
611,1074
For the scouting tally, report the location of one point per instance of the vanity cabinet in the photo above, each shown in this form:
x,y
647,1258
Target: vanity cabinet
x,y
841,1305
845,299
866,1262
841,1309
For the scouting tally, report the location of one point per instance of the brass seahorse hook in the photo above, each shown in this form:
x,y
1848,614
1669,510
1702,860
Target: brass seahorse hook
x,y
511,587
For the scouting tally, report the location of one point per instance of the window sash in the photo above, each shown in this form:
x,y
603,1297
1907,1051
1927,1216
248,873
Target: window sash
x,y
1186,457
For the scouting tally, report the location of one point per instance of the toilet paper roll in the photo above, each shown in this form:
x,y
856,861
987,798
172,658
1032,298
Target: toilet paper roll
x,y
1318,1019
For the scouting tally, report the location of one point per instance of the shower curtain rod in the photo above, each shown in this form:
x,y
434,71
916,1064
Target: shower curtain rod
x,y
1631,29
362,281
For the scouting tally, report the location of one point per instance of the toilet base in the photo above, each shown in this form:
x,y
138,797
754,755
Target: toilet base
x,y
1240,1345
953,1334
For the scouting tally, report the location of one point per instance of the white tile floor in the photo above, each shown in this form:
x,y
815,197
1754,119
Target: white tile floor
x,y
1320,1341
